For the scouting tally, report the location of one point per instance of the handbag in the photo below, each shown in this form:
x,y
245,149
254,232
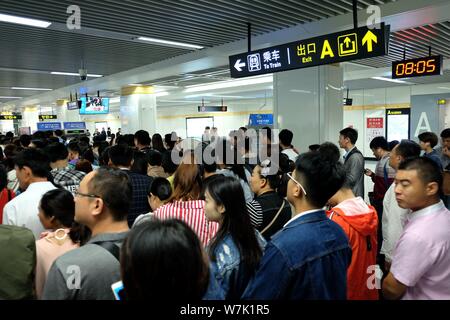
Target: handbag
x,y
274,218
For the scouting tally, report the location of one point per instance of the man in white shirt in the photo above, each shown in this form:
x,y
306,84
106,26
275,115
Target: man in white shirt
x,y
394,217
285,136
32,169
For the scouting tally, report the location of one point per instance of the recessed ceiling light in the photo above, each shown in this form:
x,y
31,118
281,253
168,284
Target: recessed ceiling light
x,y
170,43
24,21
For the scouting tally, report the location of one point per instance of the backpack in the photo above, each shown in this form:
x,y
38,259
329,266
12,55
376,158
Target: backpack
x,y
18,261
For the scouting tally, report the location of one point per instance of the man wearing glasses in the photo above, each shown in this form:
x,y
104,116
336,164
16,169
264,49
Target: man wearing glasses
x,y
87,273
309,256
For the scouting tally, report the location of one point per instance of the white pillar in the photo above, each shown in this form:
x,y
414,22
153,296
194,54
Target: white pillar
x,y
138,109
309,103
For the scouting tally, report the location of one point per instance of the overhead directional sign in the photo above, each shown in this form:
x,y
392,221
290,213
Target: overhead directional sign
x,y
43,117
10,117
212,108
342,46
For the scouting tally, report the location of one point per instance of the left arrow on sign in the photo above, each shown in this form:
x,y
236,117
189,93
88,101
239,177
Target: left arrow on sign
x,y
238,65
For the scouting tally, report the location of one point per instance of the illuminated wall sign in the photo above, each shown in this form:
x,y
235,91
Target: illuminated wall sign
x,y
419,67
212,108
342,46
43,117
442,102
74,125
48,126
11,117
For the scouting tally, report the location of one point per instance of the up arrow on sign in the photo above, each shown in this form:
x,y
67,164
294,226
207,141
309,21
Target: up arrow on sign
x,y
238,65
369,38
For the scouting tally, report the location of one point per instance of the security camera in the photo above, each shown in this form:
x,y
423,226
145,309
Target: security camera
x,y
83,74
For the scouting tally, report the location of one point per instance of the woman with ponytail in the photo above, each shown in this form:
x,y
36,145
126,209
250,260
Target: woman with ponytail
x,y
56,213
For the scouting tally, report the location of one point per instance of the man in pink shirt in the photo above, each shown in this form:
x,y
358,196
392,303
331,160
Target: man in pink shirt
x,y
421,262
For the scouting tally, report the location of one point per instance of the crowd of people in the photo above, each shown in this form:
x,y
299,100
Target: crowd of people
x,y
222,220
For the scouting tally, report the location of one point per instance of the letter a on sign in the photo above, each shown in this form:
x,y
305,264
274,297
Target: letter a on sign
x,y
326,50
423,124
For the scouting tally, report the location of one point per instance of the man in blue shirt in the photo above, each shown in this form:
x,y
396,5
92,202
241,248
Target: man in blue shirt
x,y
309,256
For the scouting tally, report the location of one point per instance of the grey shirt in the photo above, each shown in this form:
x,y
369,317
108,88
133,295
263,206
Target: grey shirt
x,y
354,167
86,273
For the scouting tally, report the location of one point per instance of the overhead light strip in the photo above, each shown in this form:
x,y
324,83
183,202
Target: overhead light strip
x,y
32,89
24,21
170,43
6,97
391,80
229,84
75,74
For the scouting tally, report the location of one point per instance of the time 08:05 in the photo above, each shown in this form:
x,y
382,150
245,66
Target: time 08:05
x,y
424,66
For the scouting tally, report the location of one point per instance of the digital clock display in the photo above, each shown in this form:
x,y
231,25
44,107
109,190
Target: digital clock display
x,y
427,66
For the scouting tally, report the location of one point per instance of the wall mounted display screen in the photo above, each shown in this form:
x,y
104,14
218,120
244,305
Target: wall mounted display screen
x,y
73,105
94,105
195,127
397,124
427,66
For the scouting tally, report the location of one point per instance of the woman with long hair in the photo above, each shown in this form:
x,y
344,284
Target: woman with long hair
x,y
185,203
236,249
56,213
157,143
151,258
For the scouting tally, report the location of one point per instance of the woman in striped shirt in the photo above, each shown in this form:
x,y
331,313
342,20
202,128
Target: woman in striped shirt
x,y
185,203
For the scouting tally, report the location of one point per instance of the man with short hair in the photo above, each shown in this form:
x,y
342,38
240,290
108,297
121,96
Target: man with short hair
x,y
62,174
285,136
428,140
25,140
58,133
394,217
32,169
87,273
308,258
142,141
353,161
420,266
121,157
444,149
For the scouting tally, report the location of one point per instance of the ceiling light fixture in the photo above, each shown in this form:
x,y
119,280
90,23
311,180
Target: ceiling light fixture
x,y
25,21
391,80
6,97
169,43
75,74
229,84
161,94
33,89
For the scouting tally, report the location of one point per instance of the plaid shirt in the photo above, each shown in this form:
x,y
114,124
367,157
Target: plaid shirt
x,y
68,178
139,203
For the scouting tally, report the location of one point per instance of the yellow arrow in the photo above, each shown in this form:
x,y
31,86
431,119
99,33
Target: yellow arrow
x,y
368,38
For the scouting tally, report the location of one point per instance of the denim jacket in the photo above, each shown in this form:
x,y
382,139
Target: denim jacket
x,y
307,259
228,268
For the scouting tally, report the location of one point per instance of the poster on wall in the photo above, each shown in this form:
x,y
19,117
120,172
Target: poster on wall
x,y
397,124
374,128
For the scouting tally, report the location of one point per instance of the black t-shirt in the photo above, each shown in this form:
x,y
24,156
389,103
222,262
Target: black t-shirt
x,y
262,211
